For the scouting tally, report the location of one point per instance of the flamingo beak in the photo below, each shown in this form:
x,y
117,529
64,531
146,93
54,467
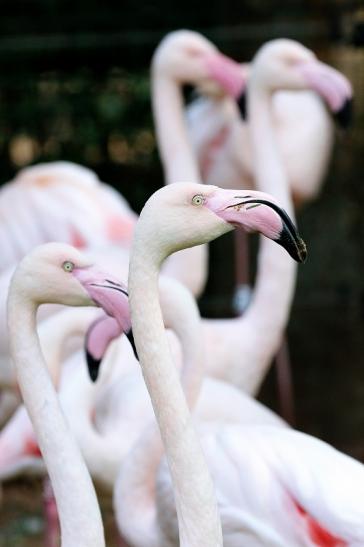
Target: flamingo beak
x,y
99,336
112,296
332,86
258,212
241,102
228,74
344,116
106,292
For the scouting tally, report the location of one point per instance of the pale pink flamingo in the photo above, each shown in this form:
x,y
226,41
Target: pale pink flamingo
x,y
60,201
185,57
240,350
274,486
115,258
304,132
60,274
208,212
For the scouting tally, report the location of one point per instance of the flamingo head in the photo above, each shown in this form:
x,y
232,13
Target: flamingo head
x,y
189,58
187,214
286,64
57,273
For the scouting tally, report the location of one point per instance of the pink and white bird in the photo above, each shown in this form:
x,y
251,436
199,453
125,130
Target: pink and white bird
x,y
185,57
274,486
240,350
60,201
57,273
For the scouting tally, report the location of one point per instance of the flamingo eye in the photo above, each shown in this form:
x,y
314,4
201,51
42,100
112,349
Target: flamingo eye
x,y
198,200
68,266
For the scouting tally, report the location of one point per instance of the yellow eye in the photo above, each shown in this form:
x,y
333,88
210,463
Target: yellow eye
x,y
198,199
68,266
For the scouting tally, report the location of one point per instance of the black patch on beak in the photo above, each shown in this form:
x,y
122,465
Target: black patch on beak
x,y
295,247
241,102
344,116
289,237
112,285
93,365
130,337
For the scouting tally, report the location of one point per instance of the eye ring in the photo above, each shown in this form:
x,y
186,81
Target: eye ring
x,y
68,266
198,200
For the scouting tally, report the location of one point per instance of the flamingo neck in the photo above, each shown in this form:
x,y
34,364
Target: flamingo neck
x,y
79,513
136,491
199,523
276,274
180,165
177,156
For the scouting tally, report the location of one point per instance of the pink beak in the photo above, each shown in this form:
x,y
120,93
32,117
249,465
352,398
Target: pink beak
x,y
227,73
106,292
112,297
331,85
258,212
98,338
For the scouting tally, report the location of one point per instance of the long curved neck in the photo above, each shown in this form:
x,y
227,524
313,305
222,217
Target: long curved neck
x,y
198,519
179,162
276,273
79,513
180,165
136,490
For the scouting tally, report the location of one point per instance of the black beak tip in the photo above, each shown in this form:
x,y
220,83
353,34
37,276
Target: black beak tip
x,y
130,337
296,248
344,116
93,366
241,102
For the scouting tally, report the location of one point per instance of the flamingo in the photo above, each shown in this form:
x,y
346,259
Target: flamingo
x,y
274,486
57,273
240,350
181,203
31,211
185,57
304,131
